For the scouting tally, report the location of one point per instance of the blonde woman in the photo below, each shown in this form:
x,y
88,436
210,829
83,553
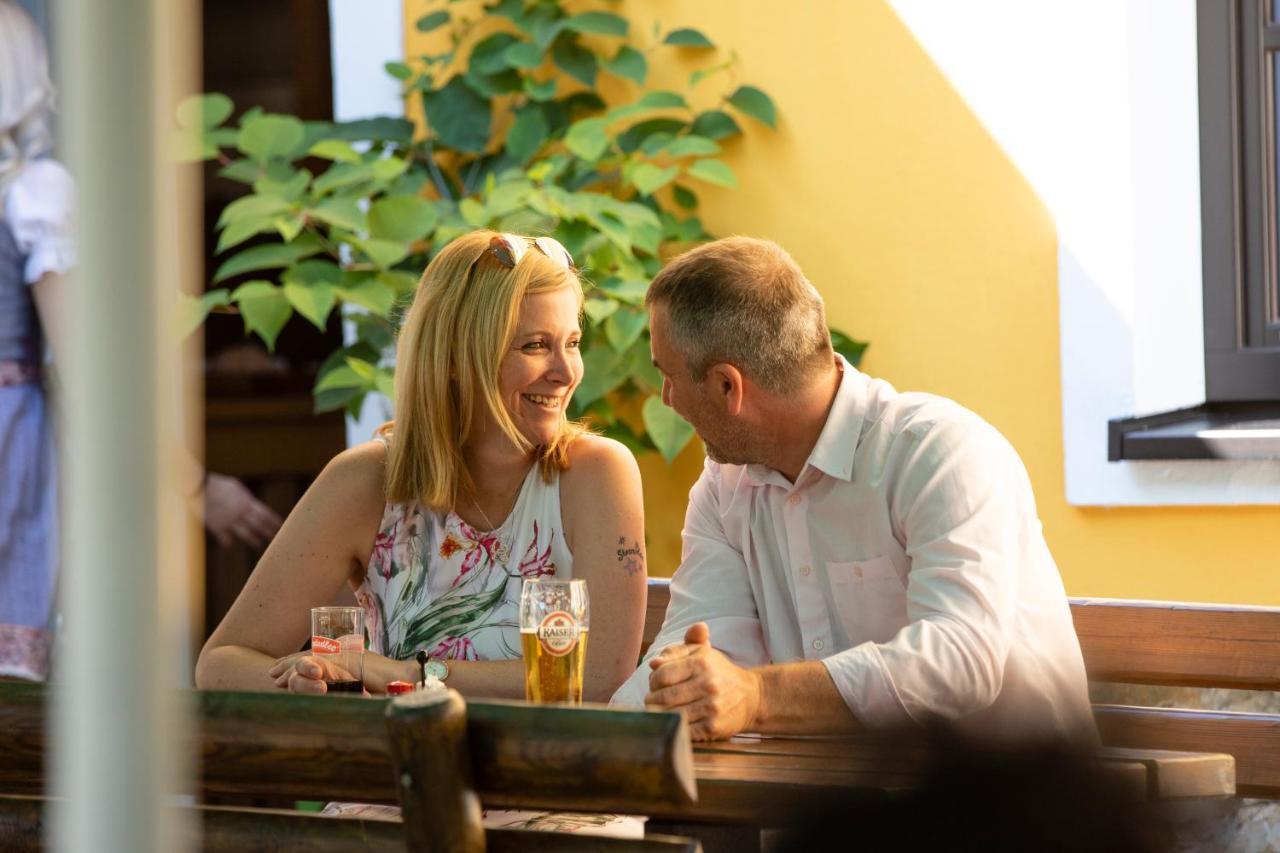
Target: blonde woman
x,y
480,483
37,200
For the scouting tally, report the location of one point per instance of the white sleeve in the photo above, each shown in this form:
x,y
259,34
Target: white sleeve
x,y
40,208
965,506
710,586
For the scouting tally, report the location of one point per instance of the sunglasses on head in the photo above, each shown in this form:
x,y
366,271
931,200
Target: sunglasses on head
x,y
508,249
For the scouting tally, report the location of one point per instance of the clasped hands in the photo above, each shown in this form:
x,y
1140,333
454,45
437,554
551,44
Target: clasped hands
x,y
717,697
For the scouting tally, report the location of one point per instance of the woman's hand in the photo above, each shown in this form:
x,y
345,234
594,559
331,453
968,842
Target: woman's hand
x,y
303,672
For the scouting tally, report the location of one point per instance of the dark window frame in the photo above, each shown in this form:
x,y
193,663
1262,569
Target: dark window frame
x,y
1238,200
1237,53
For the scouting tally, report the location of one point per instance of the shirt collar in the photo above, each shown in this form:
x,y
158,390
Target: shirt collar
x,y
833,452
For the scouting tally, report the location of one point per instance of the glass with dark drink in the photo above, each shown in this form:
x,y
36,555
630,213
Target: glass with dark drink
x,y
337,642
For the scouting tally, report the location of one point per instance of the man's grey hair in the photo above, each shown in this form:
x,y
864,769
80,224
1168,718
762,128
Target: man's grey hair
x,y
745,302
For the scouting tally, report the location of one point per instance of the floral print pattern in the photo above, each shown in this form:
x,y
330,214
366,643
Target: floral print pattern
x,y
436,583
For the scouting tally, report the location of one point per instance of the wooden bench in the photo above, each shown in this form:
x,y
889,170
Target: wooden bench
x,y
1172,644
438,761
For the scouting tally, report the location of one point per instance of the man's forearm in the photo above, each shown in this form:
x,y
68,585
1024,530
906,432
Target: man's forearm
x,y
799,699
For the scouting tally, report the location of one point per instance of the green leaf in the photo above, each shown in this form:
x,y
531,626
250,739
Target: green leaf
x,y
523,54
587,138
668,431
402,283
528,133
597,23
252,207
313,301
242,229
341,376
458,116
201,112
687,37
661,100
713,172
685,197
384,253
244,171
283,180
624,327
342,175
335,149
601,373
635,136
475,213
264,308
389,168
493,85
715,124
848,347
370,293
489,55
342,211
647,177
269,256
756,104
398,70
388,128
403,218
696,145
629,63
598,310
435,20
269,136
576,61
385,382
288,227
193,310
630,292
543,91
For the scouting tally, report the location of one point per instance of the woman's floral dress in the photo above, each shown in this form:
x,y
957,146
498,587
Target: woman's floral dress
x,y
436,583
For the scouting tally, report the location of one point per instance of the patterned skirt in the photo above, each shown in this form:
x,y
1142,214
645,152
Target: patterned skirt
x,y
28,532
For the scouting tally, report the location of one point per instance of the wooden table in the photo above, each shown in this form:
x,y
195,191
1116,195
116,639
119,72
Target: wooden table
x,y
757,781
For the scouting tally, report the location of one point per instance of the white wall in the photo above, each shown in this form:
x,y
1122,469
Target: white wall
x,y
1095,102
364,36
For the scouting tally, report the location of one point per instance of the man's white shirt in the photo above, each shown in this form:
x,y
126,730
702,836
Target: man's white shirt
x,y
907,557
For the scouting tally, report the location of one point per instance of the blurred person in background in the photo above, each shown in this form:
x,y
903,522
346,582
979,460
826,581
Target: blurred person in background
x,y
480,483
37,203
37,248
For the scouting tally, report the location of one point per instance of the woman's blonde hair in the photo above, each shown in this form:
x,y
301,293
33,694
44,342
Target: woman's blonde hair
x,y
461,324
26,95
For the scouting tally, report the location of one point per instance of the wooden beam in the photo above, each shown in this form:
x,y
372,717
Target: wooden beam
x,y
1191,645
1250,738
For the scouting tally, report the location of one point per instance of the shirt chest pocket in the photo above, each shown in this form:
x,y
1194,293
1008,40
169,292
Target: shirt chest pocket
x,y
869,598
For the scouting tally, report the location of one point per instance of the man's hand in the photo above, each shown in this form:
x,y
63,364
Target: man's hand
x,y
232,512
718,697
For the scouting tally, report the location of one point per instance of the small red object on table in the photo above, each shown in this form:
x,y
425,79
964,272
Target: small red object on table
x,y
395,688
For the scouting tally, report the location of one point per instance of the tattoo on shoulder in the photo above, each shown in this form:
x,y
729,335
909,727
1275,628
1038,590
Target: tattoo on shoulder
x,y
631,559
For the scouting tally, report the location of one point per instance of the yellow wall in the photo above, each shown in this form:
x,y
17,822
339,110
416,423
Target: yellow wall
x,y
924,239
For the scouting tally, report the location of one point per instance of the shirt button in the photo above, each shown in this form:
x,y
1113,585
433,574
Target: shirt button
x,y
804,571
857,571
793,498
818,644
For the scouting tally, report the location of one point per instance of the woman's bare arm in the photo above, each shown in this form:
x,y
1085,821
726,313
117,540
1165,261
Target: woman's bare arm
x,y
602,505
320,549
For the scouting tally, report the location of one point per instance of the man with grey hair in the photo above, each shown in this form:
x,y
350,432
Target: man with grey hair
x,y
854,558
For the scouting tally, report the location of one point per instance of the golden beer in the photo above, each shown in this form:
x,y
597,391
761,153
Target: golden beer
x,y
551,676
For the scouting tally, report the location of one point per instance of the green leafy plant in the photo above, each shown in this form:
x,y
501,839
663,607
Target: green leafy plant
x,y
517,137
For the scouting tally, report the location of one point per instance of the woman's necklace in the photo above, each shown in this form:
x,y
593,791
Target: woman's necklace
x,y
503,551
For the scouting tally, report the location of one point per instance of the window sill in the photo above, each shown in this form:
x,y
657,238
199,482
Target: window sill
x,y
1207,431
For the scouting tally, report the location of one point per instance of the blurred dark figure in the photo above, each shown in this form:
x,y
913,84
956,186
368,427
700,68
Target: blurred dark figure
x,y
1046,799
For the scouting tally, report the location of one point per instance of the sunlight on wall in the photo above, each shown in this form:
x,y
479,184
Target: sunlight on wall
x,y
925,240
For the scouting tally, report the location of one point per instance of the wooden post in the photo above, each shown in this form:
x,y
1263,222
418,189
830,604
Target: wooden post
x,y
428,732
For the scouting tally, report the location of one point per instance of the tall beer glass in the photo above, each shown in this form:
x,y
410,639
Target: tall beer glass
x,y
554,619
